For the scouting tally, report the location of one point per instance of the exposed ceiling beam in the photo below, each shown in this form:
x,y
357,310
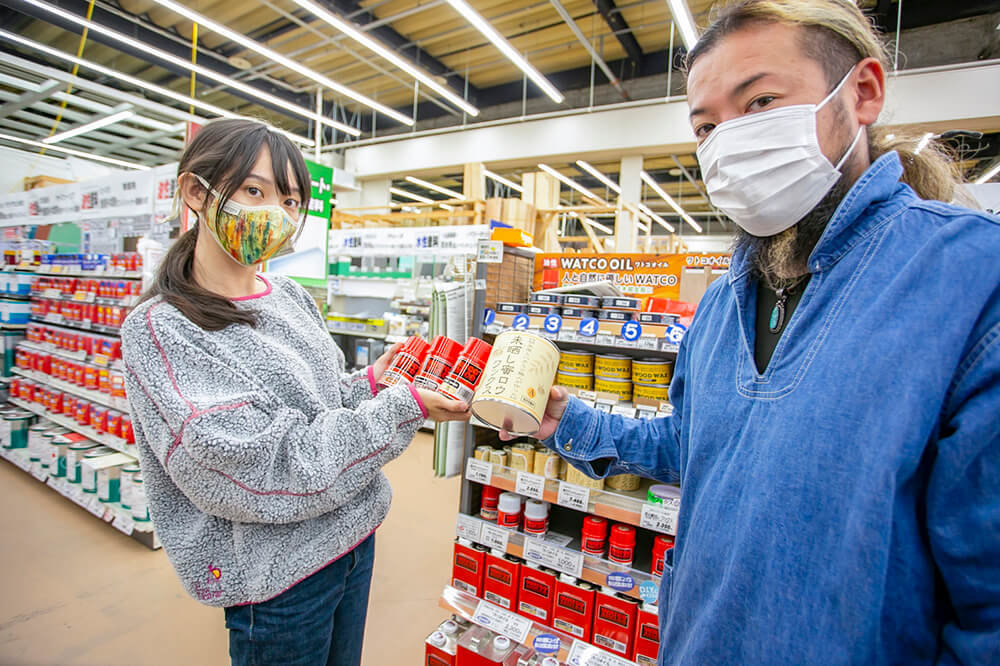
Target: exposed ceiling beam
x,y
615,20
138,141
28,99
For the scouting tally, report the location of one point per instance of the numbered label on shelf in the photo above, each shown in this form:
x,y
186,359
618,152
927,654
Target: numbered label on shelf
x,y
479,471
631,331
530,485
521,322
95,507
650,342
624,410
675,333
494,537
606,340
659,518
538,551
589,327
124,524
489,316
502,621
468,527
573,496
553,324
584,654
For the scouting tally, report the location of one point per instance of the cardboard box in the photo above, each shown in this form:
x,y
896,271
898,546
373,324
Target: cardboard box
x,y
500,582
468,565
573,608
615,619
537,594
647,636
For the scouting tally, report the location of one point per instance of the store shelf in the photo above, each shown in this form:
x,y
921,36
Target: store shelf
x,y
76,357
14,297
88,327
111,512
13,327
592,569
120,404
110,441
601,343
103,275
127,302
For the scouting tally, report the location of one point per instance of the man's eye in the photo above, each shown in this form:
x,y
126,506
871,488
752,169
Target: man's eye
x,y
703,131
760,103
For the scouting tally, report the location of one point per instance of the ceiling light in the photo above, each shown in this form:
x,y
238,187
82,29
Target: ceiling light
x,y
579,188
670,201
377,47
409,195
924,140
446,206
592,223
284,61
91,126
663,223
685,23
503,181
437,188
613,186
490,33
986,177
75,153
255,93
139,83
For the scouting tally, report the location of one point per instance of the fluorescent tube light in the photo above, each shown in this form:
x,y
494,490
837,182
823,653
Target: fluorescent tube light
x,y
685,22
377,47
592,223
256,93
986,177
75,153
576,186
284,61
409,195
437,188
503,181
613,186
90,127
499,41
670,201
446,206
663,223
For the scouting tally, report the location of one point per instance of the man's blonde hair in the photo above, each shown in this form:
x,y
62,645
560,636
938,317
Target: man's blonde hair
x,y
837,35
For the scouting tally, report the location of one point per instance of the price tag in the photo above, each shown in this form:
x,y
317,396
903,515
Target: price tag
x,y
584,654
479,471
602,406
490,252
467,527
650,342
589,327
124,524
606,340
502,621
39,473
53,318
659,518
494,537
101,359
95,507
667,346
573,496
530,485
84,297
646,413
567,336
587,396
539,552
22,462
52,293
493,329
624,410
521,322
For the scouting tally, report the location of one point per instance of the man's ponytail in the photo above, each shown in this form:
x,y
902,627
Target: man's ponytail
x,y
931,172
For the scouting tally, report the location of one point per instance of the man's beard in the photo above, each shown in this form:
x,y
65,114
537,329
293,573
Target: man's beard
x,y
783,257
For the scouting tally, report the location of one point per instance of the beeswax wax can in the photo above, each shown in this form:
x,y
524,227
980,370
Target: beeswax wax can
x,y
651,391
613,366
652,371
577,362
620,388
575,380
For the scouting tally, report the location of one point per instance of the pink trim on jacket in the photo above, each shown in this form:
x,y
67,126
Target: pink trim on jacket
x,y
253,296
371,380
420,402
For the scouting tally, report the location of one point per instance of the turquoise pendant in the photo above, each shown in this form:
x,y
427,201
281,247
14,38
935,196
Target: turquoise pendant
x,y
777,316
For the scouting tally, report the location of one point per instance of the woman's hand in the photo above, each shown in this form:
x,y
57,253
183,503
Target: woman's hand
x,y
558,399
440,408
383,362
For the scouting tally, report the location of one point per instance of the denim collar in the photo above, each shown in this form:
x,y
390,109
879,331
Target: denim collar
x,y
876,188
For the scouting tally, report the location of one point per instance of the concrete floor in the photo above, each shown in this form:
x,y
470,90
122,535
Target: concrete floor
x,y
73,590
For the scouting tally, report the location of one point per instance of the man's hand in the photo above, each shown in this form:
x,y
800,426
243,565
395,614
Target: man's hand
x,y
440,408
383,362
558,399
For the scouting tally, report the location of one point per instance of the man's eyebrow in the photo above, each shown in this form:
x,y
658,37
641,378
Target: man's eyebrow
x,y
738,90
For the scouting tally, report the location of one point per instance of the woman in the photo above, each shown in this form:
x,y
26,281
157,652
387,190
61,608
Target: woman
x,y
262,458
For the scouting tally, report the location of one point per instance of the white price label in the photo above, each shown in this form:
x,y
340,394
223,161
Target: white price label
x,y
494,329
22,462
647,413
490,252
584,654
659,518
539,552
39,473
95,506
624,410
668,346
573,496
52,293
494,537
566,335
587,396
124,524
502,621
649,342
479,471
530,485
605,339
468,527
602,406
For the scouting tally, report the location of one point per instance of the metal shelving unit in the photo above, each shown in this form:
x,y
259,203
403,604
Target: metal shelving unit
x,y
110,441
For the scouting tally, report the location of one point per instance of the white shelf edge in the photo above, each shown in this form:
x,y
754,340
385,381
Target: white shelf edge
x,y
109,441
86,394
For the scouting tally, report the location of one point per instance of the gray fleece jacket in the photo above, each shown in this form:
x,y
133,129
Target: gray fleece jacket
x,y
261,457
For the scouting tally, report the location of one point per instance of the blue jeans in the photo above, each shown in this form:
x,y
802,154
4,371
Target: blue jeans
x,y
318,622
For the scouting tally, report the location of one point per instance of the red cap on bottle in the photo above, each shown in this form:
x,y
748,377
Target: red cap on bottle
x,y
661,544
595,528
623,536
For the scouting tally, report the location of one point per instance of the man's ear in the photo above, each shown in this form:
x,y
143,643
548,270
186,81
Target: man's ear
x,y
868,90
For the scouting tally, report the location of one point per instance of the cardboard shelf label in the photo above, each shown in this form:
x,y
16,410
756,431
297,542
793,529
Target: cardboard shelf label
x,y
502,621
573,496
494,537
468,527
659,518
537,551
479,471
584,654
530,485
624,410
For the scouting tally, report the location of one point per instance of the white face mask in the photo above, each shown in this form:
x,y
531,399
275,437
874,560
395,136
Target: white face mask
x,y
766,170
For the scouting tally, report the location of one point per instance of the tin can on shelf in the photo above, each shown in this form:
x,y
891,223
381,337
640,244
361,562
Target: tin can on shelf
x,y
538,310
578,478
545,298
499,457
482,452
613,366
522,457
620,388
515,387
582,301
659,493
621,544
575,380
128,474
15,424
578,313
547,464
620,303
652,371
137,500
622,482
490,503
661,318
651,391
581,362
406,364
461,382
661,544
594,536
536,517
510,308
443,355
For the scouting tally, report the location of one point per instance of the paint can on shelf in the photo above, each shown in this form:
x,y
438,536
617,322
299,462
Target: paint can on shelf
x,y
482,452
546,298
15,424
621,544
651,391
490,504
137,500
578,478
406,364
461,382
626,482
535,310
620,303
582,382
620,388
578,313
35,440
660,493
661,544
443,355
652,371
500,457
522,457
536,517
128,474
547,464
576,361
582,301
109,484
509,511
510,308
594,536
74,454
613,366
88,476
516,383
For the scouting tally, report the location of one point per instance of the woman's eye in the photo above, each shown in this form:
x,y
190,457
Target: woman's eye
x,y
703,131
760,103
254,191
291,203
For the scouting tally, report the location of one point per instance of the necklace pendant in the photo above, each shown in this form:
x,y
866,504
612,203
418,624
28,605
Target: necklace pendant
x,y
777,316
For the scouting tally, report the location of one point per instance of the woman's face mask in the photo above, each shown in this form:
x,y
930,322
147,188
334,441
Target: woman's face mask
x,y
248,234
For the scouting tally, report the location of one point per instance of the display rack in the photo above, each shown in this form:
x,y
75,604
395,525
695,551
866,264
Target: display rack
x,y
119,404
110,441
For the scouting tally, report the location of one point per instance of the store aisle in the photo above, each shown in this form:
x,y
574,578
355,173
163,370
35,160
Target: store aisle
x,y
75,591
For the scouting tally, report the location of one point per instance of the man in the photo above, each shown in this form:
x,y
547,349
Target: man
x,y
836,426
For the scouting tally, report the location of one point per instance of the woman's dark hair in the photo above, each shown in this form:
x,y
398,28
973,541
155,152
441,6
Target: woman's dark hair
x,y
223,152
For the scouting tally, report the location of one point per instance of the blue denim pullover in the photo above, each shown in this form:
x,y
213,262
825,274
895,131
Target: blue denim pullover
x,y
843,507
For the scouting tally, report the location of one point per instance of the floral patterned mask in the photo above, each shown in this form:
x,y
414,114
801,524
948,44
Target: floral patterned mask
x,y
248,234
